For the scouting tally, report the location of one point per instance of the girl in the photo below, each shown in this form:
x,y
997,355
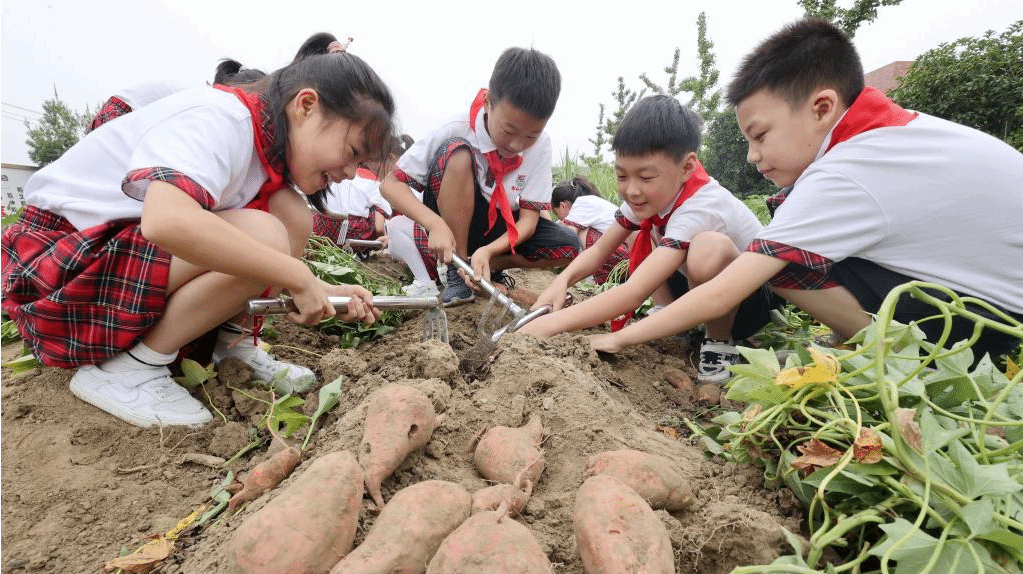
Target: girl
x,y
136,242
579,205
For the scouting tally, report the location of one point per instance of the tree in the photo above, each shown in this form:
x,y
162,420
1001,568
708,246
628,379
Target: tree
x,y
847,19
976,82
57,130
724,157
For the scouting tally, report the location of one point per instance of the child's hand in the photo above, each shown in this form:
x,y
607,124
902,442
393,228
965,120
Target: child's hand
x,y
553,295
480,262
360,308
384,241
442,242
605,343
312,305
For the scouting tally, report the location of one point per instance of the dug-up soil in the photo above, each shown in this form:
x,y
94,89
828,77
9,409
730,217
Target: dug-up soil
x,y
80,487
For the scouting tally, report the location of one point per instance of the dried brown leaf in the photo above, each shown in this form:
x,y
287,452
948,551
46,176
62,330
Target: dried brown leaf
x,y
148,555
815,454
867,447
905,418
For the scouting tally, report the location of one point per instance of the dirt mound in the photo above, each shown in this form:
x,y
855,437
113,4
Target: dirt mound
x,y
79,485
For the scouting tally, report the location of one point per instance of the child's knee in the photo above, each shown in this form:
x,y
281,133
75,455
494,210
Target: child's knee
x,y
262,226
458,171
709,253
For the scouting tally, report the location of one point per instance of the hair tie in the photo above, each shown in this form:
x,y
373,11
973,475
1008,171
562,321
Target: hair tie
x,y
337,46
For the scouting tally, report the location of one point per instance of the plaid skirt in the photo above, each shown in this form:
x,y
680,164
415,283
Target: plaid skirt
x,y
80,297
358,227
620,254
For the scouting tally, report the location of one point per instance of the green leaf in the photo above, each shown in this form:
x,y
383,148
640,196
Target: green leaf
x,y
283,412
329,396
981,480
979,515
23,363
194,374
747,389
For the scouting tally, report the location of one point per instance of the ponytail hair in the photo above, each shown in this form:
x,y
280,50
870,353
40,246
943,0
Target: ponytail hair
x,y
571,189
231,73
317,44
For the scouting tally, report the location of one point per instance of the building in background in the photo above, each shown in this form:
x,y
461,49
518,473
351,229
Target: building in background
x,y
14,177
886,78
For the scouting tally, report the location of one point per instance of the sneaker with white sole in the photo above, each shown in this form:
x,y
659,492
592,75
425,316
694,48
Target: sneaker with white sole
x,y
715,358
284,377
143,397
421,289
456,291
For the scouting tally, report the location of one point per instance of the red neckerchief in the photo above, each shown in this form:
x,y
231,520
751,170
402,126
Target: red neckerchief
x,y
262,131
641,247
499,167
871,110
366,174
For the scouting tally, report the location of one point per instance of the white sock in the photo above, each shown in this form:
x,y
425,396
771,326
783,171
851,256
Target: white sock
x,y
402,245
138,357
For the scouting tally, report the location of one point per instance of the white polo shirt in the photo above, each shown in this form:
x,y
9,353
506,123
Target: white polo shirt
x,y
528,186
144,94
711,208
932,200
202,133
591,211
357,196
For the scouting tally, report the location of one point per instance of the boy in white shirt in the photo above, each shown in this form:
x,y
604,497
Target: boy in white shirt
x,y
486,177
874,196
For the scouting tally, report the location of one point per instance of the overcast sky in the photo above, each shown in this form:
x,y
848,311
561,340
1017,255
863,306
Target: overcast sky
x,y
433,55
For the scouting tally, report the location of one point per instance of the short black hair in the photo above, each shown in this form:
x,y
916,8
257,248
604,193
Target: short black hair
x,y
528,79
571,189
658,124
804,56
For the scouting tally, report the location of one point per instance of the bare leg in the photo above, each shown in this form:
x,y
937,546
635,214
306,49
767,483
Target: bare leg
x,y
835,307
456,198
709,253
201,299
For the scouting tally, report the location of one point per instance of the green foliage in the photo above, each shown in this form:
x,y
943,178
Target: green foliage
x,y
601,174
55,132
906,458
284,413
847,19
723,154
977,82
338,267
330,395
758,205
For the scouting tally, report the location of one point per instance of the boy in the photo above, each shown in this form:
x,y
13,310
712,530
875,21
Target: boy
x,y
486,177
698,227
874,196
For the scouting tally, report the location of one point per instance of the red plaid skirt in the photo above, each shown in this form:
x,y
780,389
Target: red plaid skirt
x,y
620,254
80,297
358,227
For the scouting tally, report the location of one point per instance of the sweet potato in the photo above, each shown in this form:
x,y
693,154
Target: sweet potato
x,y
617,531
504,452
653,477
490,543
399,419
308,526
409,529
513,496
265,476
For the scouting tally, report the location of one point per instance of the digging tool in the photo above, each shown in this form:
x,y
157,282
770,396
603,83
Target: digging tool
x,y
435,320
492,325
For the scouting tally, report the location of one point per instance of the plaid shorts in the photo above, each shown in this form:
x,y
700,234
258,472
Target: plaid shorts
x,y
358,227
80,297
620,254
550,241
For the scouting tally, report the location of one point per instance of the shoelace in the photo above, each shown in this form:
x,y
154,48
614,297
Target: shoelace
x,y
712,358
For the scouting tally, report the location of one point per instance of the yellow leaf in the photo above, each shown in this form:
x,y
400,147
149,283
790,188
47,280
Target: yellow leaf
x,y
1011,368
823,371
147,556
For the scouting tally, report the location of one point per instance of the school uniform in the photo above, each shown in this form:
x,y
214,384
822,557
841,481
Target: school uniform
x,y
359,199
895,195
594,215
503,186
79,280
133,98
701,205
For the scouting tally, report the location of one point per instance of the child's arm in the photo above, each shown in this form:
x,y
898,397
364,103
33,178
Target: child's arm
x,y
582,266
174,221
628,296
401,198
701,304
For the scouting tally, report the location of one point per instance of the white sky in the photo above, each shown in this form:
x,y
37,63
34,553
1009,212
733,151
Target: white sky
x,y
433,55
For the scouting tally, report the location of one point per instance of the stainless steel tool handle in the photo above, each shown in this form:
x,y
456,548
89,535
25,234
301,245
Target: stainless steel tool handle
x,y
517,324
284,304
369,243
489,288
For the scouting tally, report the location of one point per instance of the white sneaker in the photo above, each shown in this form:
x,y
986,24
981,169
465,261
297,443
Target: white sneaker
x,y
296,379
420,289
715,358
144,397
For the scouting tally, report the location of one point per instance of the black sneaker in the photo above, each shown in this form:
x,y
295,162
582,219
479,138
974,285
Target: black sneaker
x,y
503,279
456,291
715,358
